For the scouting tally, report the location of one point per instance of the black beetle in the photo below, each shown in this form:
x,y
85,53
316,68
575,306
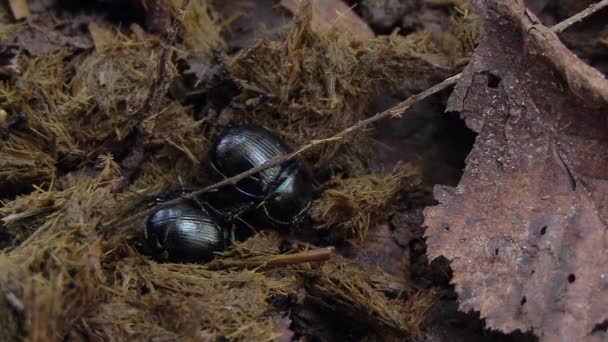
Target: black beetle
x,y
282,192
185,232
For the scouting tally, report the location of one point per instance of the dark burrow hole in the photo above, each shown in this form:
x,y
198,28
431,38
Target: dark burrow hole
x,y
496,251
571,278
543,230
523,300
493,80
427,135
144,290
600,327
5,238
119,12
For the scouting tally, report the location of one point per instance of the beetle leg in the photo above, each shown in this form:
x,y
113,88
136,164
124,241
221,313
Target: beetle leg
x,y
243,208
229,215
164,255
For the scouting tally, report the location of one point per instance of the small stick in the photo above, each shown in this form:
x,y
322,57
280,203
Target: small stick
x,y
14,301
561,26
315,255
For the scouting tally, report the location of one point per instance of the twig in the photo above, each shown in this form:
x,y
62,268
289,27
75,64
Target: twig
x,y
135,157
315,255
14,301
561,26
395,111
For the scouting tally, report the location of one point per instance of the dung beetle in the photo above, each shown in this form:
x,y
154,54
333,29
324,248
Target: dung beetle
x,y
185,232
283,193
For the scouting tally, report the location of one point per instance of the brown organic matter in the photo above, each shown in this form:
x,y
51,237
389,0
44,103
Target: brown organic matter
x,y
109,95
333,15
525,230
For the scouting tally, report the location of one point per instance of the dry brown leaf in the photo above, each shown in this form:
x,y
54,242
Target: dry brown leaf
x,y
20,9
47,33
333,14
525,230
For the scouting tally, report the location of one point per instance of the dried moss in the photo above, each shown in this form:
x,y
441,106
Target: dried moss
x,y
187,301
369,295
61,267
116,83
350,205
73,280
40,93
319,83
467,30
66,269
201,28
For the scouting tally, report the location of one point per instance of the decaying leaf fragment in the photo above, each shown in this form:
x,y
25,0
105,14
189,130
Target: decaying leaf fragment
x,y
333,14
525,230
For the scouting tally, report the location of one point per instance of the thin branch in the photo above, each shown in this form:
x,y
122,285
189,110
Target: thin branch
x,y
561,26
265,262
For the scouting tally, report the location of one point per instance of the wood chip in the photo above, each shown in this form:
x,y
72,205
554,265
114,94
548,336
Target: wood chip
x,y
20,9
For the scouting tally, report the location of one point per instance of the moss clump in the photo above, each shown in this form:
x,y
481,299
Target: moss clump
x,y
186,301
319,83
200,29
351,205
368,294
89,106
466,32
41,93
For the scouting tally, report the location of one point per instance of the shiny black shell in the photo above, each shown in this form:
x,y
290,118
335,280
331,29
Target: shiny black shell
x,y
291,198
184,232
239,149
282,192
